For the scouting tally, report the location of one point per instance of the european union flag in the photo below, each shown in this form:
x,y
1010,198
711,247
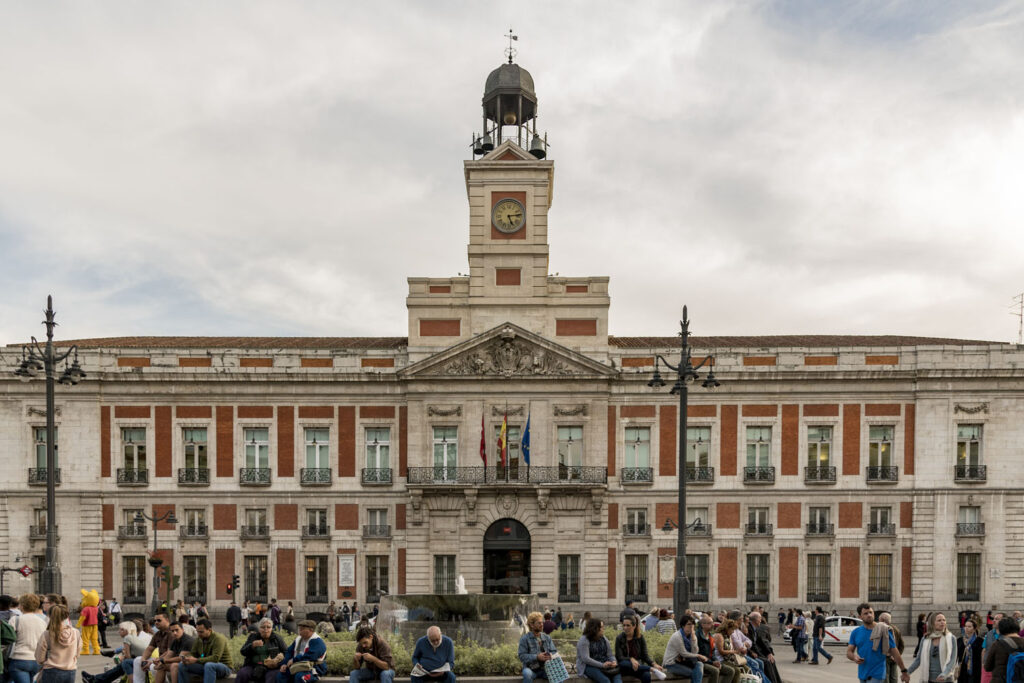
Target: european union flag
x,y
524,443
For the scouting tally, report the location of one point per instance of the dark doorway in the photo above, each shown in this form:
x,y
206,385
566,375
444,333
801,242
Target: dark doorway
x,y
507,558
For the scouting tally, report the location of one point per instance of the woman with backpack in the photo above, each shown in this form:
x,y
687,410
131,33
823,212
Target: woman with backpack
x,y
29,626
997,656
58,648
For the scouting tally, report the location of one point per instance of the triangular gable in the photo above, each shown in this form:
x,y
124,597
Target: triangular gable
x,y
508,151
507,351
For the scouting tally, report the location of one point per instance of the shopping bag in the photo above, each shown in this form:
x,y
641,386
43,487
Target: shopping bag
x,y
555,670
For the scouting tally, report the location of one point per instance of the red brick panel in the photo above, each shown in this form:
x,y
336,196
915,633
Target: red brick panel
x,y
225,517
285,441
132,362
701,411
727,573
439,289
790,459
224,561
613,515
667,441
881,360
160,509
132,412
611,440
316,362
193,412
906,514
346,516
163,457
316,412
821,410
851,439
760,411
851,515
727,515
577,289
663,511
637,362
403,440
635,411
440,328
909,428
286,517
729,420
349,591
821,360
906,571
377,362
189,362
256,362
225,441
611,574
104,441
108,517
882,409
108,573
377,412
507,277
789,572
400,516
789,516
256,412
401,571
849,572
573,327
347,441
759,360
286,573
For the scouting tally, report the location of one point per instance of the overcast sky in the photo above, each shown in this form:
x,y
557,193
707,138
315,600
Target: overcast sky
x,y
280,168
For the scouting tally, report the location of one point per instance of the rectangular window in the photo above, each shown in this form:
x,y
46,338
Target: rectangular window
x,y
880,446
697,570
880,576
880,516
819,446
513,435
636,521
39,434
257,448
376,577
570,453
129,517
969,514
446,453
638,447
195,578
758,518
39,518
820,516
693,515
256,517
377,517
133,583
757,578
819,578
968,445
318,448
968,577
568,578
444,574
316,520
195,521
636,578
759,446
316,578
378,448
133,443
699,452
194,447
255,576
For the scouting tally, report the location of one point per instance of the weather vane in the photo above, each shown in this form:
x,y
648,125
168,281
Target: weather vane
x,y
510,51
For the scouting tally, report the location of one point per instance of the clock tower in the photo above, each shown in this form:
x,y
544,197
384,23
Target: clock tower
x,y
509,185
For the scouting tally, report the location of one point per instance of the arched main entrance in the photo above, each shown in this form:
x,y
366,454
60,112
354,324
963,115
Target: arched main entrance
x,y
507,558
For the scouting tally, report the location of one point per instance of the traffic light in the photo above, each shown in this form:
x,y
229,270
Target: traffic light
x,y
230,586
236,583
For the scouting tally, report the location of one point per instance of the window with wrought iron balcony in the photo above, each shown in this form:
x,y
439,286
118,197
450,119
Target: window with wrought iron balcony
x,y
196,471
968,468
636,529
256,471
637,451
132,532
193,531
37,474
820,469
969,521
881,469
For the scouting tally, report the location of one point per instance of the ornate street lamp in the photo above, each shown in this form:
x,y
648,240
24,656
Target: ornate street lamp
x,y
686,373
155,561
36,359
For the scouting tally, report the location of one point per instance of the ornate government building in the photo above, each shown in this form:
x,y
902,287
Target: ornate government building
x,y
825,469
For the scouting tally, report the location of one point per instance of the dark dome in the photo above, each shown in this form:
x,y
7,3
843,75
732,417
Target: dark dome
x,y
509,77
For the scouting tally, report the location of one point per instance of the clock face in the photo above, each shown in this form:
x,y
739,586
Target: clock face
x,y
508,215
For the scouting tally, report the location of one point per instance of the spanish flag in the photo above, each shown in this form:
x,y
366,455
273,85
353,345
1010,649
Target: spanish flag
x,y
503,441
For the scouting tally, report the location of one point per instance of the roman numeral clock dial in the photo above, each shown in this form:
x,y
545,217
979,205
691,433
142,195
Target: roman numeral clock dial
x,y
508,215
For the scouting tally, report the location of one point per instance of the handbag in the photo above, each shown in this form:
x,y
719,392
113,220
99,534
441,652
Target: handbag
x,y
555,669
739,660
300,667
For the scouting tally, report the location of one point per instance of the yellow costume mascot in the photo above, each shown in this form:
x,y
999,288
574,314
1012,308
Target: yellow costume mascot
x,y
89,621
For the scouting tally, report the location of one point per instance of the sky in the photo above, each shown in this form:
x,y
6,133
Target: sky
x,y
280,168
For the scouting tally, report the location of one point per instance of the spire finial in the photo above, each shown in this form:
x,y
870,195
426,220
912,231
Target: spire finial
x,y
510,51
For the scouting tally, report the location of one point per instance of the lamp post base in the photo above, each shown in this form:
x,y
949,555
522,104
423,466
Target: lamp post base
x,y
50,579
681,596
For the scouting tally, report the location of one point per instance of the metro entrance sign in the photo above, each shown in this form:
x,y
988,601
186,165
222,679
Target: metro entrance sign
x,y
25,570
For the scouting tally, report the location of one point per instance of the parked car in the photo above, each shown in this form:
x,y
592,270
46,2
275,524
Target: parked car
x,y
837,630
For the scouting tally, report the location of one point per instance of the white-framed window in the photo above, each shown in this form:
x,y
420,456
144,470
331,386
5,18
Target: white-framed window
x,y
880,576
969,514
195,577
757,577
759,446
636,521
133,444
128,514
699,452
569,578
697,569
696,513
195,520
968,577
636,577
378,448
444,574
316,578
880,445
376,577
194,447
819,577
570,452
255,517
446,452
638,447
257,447
39,437
819,446
820,517
133,579
968,445
377,517
39,519
318,448
316,520
880,517
758,518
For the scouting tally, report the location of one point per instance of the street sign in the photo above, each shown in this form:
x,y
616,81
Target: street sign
x,y
25,570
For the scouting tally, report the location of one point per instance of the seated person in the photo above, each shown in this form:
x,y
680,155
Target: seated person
x,y
170,660
373,658
433,651
159,643
304,658
187,627
263,652
209,657
594,658
133,644
682,652
535,648
631,650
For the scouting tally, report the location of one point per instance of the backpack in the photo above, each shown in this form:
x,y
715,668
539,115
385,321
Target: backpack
x,y
1015,667
8,636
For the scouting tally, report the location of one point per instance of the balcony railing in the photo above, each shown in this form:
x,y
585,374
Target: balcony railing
x,y
757,597
134,598
698,595
698,530
883,474
37,476
636,475
700,475
758,475
316,599
376,531
315,476
377,476
256,597
564,475
820,475
636,597
194,531
254,476
636,529
881,529
127,476
192,598
968,473
254,531
755,529
37,532
820,529
970,528
818,597
132,532
316,531
194,476
967,596
568,597
879,595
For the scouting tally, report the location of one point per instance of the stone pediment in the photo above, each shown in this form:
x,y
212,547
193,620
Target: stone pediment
x,y
508,351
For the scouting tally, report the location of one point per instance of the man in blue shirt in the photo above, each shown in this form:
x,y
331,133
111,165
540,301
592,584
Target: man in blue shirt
x,y
432,652
871,661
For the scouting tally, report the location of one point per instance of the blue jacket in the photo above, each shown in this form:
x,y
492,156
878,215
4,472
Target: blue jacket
x,y
529,649
312,650
426,656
